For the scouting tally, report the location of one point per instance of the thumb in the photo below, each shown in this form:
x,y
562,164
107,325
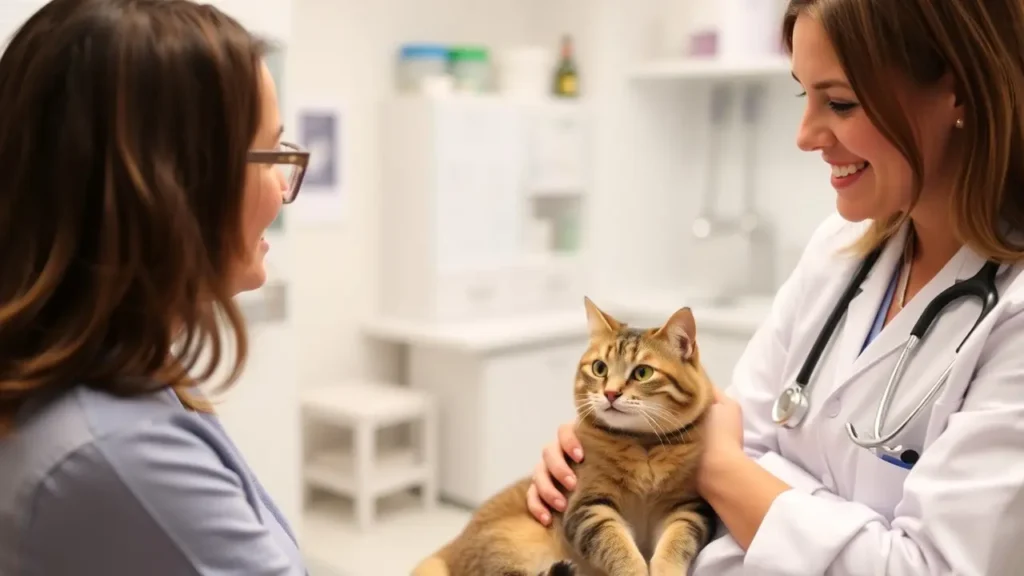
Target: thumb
x,y
718,394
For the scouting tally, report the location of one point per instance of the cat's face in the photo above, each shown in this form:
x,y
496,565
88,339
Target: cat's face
x,y
641,380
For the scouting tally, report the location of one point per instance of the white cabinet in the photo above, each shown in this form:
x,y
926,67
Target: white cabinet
x,y
497,409
460,178
558,151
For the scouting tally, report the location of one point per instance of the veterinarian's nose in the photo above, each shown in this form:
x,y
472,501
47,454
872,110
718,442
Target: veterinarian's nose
x,y
612,395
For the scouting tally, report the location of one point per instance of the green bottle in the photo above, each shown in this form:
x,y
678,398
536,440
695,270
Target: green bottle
x,y
566,84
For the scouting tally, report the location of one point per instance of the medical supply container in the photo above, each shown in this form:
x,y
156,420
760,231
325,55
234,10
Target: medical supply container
x,y
423,69
471,68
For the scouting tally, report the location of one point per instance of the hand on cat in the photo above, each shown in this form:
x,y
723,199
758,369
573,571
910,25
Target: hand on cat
x,y
542,493
723,438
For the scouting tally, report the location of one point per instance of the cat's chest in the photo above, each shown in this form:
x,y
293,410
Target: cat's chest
x,y
642,472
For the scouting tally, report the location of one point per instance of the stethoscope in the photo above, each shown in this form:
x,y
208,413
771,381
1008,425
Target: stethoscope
x,y
793,403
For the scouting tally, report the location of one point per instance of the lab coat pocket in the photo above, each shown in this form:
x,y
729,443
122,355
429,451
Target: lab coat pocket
x,y
879,484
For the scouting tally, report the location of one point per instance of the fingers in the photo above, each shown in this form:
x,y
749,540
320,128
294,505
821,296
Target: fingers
x,y
536,507
542,492
570,443
557,467
545,495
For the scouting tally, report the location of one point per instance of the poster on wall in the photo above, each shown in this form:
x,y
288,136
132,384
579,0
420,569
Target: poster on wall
x,y
321,198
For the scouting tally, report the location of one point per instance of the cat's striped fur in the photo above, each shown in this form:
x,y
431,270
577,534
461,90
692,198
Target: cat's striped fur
x,y
635,510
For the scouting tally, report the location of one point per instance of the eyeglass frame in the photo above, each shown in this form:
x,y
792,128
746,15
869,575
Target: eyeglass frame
x,y
295,156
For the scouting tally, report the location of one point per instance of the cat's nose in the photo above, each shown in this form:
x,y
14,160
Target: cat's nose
x,y
612,395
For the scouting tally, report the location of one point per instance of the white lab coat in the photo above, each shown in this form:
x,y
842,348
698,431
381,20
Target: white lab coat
x,y
961,509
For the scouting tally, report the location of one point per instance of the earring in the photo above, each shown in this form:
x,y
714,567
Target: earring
x,y
959,122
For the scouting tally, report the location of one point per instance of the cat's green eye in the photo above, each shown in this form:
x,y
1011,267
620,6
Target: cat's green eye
x,y
599,368
642,373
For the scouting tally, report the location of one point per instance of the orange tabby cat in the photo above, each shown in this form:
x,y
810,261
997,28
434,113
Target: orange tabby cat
x,y
640,396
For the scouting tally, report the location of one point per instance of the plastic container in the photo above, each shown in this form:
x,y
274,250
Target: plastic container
x,y
423,69
471,68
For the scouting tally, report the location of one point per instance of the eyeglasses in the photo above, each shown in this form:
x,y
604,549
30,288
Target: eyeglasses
x,y
292,162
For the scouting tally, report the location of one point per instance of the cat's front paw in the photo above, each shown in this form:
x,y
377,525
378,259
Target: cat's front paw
x,y
636,568
563,568
662,567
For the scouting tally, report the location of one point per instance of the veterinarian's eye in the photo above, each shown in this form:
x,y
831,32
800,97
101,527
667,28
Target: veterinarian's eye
x,y
642,372
599,368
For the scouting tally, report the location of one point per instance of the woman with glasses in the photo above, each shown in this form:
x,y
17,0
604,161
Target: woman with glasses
x,y
142,154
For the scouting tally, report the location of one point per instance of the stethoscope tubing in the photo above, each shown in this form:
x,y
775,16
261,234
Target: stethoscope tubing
x,y
981,285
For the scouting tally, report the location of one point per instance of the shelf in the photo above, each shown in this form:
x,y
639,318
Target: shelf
x,y
350,403
557,190
714,69
394,470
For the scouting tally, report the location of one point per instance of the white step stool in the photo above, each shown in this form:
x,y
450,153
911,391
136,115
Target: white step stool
x,y
362,474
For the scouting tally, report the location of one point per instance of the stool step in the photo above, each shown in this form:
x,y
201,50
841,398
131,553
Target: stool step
x,y
378,403
394,470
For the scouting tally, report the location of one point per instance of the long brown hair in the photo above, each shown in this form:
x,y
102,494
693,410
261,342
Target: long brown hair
x,y
124,128
980,43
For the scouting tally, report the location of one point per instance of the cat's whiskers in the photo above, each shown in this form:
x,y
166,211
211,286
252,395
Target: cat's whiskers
x,y
583,413
654,425
670,416
667,416
651,411
587,405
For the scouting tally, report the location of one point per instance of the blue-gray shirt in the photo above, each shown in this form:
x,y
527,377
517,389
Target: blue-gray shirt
x,y
92,484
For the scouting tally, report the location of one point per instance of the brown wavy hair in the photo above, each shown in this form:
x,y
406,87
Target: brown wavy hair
x,y
124,130
980,43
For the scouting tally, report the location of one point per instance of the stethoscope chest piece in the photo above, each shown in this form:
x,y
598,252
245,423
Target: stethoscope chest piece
x,y
791,406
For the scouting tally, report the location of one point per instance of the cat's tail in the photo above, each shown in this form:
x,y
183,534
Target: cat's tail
x,y
433,566
438,563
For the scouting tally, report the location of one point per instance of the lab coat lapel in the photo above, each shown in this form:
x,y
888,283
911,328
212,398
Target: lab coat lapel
x,y
861,312
894,336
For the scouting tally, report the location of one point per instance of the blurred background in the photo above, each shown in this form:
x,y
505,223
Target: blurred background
x,y
478,167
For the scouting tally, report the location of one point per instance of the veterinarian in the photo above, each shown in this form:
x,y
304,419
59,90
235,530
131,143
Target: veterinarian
x,y
142,162
813,468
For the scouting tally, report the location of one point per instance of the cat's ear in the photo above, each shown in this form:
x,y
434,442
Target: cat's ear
x,y
680,331
600,323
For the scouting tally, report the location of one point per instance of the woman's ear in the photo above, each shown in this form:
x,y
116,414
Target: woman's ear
x,y
954,94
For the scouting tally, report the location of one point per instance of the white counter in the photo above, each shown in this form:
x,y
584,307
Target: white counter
x,y
743,318
501,333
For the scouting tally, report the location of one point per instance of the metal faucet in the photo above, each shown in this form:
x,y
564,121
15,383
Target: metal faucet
x,y
757,231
